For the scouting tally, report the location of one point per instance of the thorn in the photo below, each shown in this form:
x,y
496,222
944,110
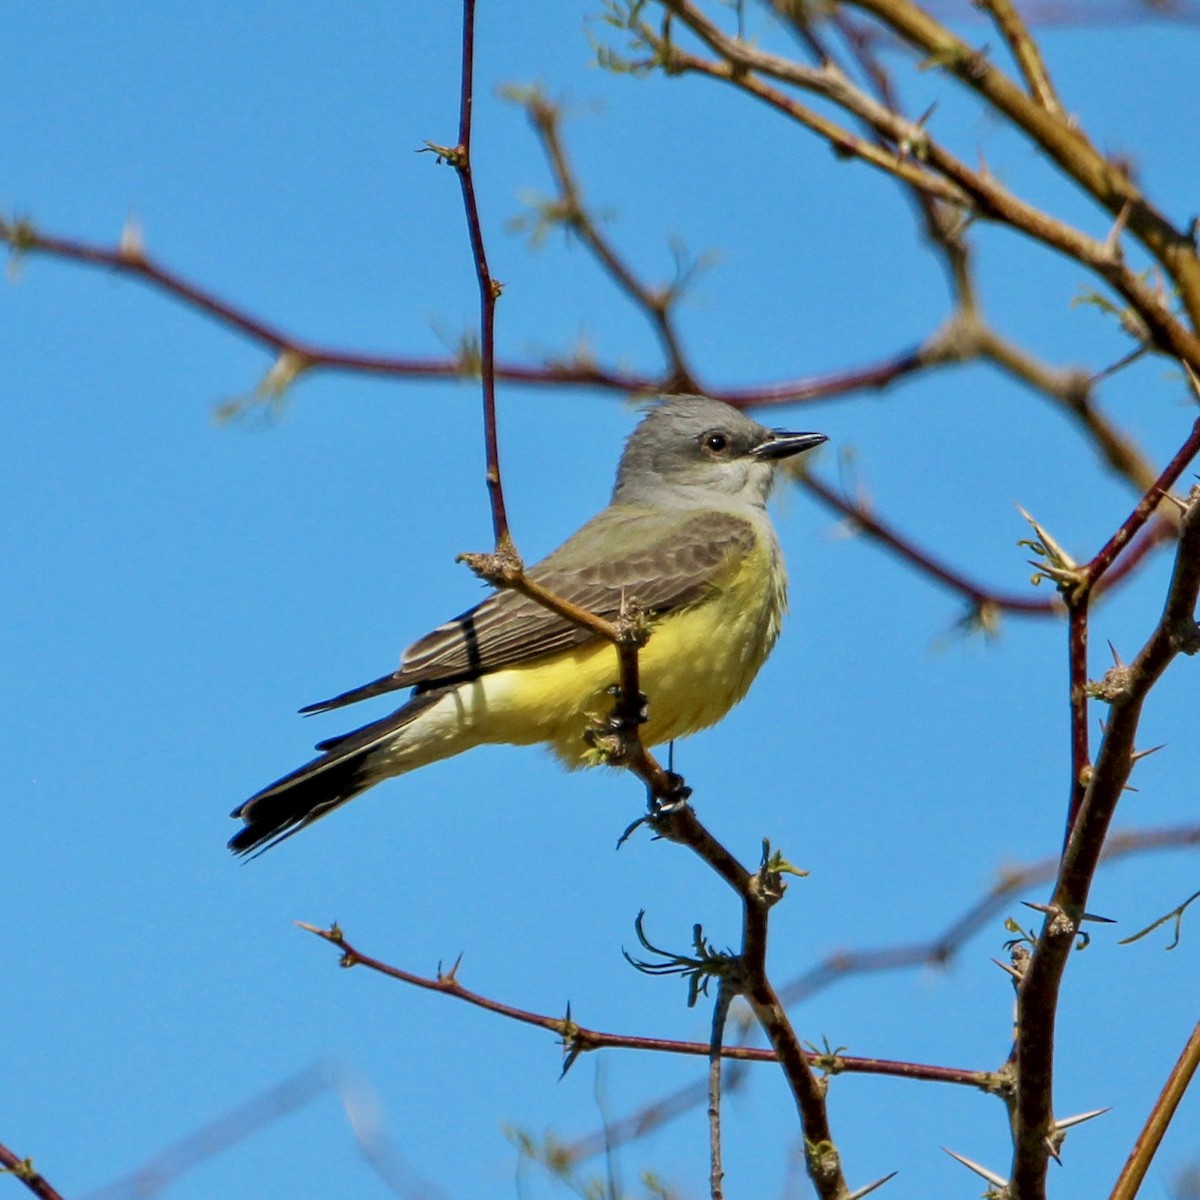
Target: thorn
x,y
1067,1122
870,1187
450,976
1192,380
1146,753
132,246
332,934
1052,1144
1116,657
1058,564
997,1181
1008,970
1052,910
1112,243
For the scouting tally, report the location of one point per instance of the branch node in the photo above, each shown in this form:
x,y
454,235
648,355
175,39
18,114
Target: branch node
x,y
132,247
1112,686
452,156
824,1161
502,567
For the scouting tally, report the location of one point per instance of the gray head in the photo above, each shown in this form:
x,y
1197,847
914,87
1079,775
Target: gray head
x,y
689,451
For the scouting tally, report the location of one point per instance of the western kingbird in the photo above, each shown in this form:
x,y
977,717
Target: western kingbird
x,y
686,536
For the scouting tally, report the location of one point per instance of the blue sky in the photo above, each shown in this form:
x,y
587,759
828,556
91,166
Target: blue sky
x,y
178,586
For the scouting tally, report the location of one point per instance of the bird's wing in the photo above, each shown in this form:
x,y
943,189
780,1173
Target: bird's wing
x,y
661,560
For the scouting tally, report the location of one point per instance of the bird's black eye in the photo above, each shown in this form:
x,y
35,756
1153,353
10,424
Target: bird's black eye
x,y
714,441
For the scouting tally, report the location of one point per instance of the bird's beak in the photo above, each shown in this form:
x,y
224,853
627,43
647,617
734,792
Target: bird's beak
x,y
779,443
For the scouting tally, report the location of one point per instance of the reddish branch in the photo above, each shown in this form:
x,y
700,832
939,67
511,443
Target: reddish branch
x,y
983,599
489,289
940,949
22,1169
304,355
935,951
1037,997
1078,598
758,892
578,1039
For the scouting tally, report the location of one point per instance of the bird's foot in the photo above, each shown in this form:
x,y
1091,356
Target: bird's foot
x,y
626,717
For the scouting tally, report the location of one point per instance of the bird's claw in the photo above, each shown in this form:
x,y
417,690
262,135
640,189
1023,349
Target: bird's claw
x,y
625,718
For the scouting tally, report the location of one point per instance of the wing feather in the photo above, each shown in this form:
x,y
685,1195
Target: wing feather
x,y
664,561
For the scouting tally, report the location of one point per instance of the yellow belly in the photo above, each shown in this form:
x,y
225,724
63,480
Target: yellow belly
x,y
697,664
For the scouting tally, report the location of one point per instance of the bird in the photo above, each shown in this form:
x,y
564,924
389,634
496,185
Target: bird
x,y
686,538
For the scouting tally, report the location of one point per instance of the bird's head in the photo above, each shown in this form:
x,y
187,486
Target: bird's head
x,y
687,449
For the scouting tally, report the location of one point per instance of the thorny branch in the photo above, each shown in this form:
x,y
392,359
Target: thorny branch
x,y
489,288
1037,996
503,568
297,356
759,892
1078,587
936,951
579,1039
950,195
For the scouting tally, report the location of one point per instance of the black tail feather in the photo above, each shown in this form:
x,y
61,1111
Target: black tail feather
x,y
377,687
279,812
308,793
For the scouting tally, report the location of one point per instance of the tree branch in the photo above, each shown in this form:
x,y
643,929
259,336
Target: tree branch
x,y
1151,1136
489,288
578,1039
22,1169
1037,995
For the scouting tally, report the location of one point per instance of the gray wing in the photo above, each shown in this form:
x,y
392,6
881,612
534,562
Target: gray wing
x,y
665,561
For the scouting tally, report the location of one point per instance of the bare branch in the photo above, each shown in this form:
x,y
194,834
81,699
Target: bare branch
x,y
935,951
1151,1136
1064,141
489,288
656,303
1025,51
23,1169
578,1039
1037,998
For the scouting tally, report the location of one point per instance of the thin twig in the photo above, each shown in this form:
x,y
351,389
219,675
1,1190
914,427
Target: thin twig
x,y
23,1169
981,598
1025,51
1065,142
578,1039
657,303
489,289
1151,1136
716,1173
303,356
1078,599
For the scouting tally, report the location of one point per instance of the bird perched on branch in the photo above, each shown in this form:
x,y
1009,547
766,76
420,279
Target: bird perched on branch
x,y
686,539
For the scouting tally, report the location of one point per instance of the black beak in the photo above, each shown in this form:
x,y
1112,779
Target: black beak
x,y
779,443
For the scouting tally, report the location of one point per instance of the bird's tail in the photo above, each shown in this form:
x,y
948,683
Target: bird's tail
x,y
343,769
